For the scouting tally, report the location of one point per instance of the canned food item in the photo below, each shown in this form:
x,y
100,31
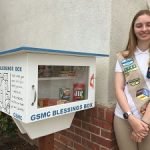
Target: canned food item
x,y
64,93
78,91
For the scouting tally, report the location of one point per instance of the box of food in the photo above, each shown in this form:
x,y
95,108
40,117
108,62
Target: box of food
x,y
44,102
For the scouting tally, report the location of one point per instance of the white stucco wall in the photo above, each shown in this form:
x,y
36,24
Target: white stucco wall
x,y
96,26
77,25
120,25
122,13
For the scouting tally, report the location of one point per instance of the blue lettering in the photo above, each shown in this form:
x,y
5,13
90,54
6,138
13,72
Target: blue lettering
x,y
33,117
88,105
48,114
40,116
54,112
17,116
60,111
65,110
43,115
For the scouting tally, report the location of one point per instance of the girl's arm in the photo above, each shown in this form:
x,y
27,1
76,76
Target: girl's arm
x,y
146,116
119,88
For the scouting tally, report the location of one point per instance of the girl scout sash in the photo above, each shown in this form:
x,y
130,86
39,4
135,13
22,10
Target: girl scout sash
x,y
135,81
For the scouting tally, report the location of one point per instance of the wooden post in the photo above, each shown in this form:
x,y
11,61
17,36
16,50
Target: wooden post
x,y
46,142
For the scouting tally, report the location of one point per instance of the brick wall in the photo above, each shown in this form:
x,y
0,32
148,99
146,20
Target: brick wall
x,y
90,130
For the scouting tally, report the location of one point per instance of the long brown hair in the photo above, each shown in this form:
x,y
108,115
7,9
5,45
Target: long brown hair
x,y
132,42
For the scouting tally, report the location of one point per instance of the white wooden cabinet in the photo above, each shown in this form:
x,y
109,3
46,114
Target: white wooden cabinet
x,y
43,89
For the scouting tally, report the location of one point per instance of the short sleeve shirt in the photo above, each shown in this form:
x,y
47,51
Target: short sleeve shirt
x,y
142,60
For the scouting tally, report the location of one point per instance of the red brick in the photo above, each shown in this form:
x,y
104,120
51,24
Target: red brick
x,y
63,132
102,148
86,118
79,114
92,112
55,148
101,113
79,147
106,125
115,148
76,122
95,121
59,144
89,144
109,115
107,134
71,129
74,137
102,141
83,133
77,138
66,141
57,136
69,134
91,128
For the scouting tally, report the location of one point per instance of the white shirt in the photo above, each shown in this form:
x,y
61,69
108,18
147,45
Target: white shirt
x,y
142,60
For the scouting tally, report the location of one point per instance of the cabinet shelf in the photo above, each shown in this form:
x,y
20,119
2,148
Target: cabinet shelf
x,y
55,78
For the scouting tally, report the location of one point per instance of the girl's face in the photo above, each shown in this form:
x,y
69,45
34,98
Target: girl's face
x,y
142,28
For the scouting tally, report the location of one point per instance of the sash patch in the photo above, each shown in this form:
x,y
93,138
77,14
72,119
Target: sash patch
x,y
148,73
143,94
130,68
127,62
134,82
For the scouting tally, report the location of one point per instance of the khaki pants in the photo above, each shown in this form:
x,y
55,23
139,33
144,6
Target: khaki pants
x,y
123,131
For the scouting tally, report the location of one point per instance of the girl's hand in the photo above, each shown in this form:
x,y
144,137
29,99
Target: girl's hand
x,y
139,127
135,137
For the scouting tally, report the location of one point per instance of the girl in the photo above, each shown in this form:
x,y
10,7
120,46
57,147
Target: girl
x,y
132,85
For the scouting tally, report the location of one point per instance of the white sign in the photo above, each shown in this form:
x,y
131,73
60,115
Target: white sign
x,y
11,89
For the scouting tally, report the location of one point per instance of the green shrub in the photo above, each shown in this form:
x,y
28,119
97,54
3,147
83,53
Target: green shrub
x,y
7,125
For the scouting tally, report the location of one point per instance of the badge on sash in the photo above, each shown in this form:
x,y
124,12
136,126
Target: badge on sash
x,y
148,73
